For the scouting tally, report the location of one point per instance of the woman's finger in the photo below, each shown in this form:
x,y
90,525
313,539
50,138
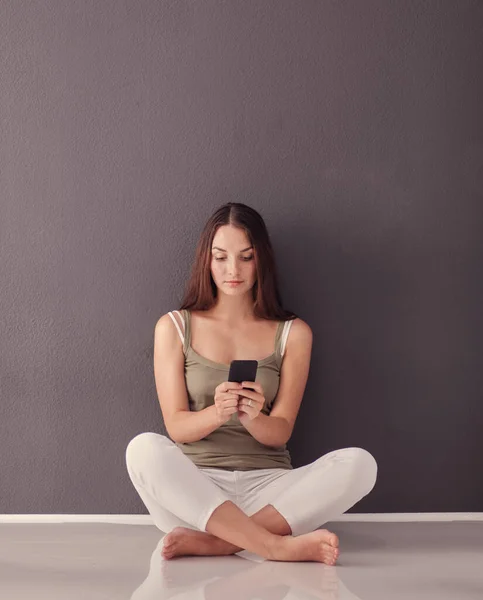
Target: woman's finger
x,y
251,395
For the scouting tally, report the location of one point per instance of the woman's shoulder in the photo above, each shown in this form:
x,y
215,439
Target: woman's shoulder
x,y
300,329
164,321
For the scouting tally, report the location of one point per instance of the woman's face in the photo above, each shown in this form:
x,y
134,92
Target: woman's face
x,y
232,258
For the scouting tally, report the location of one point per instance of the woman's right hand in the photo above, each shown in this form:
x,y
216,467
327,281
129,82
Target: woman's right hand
x,y
226,400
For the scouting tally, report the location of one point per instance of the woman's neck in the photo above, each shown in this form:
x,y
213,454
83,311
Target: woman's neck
x,y
233,312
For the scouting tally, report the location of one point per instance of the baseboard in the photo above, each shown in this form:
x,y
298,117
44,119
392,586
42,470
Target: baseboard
x,y
147,520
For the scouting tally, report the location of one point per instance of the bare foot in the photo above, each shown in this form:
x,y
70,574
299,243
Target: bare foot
x,y
320,546
182,541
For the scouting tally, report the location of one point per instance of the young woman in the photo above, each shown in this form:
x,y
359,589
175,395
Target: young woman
x,y
224,482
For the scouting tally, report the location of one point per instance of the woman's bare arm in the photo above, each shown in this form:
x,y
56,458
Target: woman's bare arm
x,y
181,424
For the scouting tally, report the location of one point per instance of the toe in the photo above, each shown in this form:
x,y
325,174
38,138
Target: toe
x,y
331,554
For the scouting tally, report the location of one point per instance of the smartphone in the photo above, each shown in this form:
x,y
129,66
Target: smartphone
x,y
243,370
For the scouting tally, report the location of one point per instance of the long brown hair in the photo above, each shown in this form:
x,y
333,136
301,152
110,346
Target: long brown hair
x,y
201,290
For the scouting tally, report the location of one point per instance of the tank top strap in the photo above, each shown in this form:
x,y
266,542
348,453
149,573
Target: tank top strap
x,y
281,337
181,330
187,330
278,340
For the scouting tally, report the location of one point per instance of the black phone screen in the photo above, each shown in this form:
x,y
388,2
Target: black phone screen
x,y
243,370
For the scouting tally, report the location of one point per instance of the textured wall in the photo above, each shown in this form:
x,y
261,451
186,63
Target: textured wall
x,y
355,128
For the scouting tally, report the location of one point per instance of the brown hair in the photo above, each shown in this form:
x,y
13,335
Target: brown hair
x,y
201,290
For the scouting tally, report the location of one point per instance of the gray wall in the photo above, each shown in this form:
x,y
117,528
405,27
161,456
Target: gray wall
x,y
355,128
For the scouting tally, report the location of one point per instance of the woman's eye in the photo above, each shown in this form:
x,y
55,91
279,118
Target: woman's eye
x,y
246,258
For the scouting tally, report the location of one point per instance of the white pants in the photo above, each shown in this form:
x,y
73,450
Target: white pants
x,y
177,493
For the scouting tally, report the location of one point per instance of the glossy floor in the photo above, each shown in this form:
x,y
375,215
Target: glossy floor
x,y
412,561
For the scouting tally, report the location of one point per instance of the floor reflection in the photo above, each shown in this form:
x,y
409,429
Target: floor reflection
x,y
236,578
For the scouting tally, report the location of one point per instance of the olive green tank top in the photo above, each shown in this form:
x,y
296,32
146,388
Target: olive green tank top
x,y
231,447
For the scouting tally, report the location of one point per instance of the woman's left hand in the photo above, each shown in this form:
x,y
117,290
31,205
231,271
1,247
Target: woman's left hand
x,y
251,401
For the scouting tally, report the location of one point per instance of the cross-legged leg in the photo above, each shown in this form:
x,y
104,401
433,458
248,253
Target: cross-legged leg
x,y
188,542
326,488
160,469
231,524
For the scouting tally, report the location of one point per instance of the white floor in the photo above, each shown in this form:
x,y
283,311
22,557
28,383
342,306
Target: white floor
x,y
378,561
